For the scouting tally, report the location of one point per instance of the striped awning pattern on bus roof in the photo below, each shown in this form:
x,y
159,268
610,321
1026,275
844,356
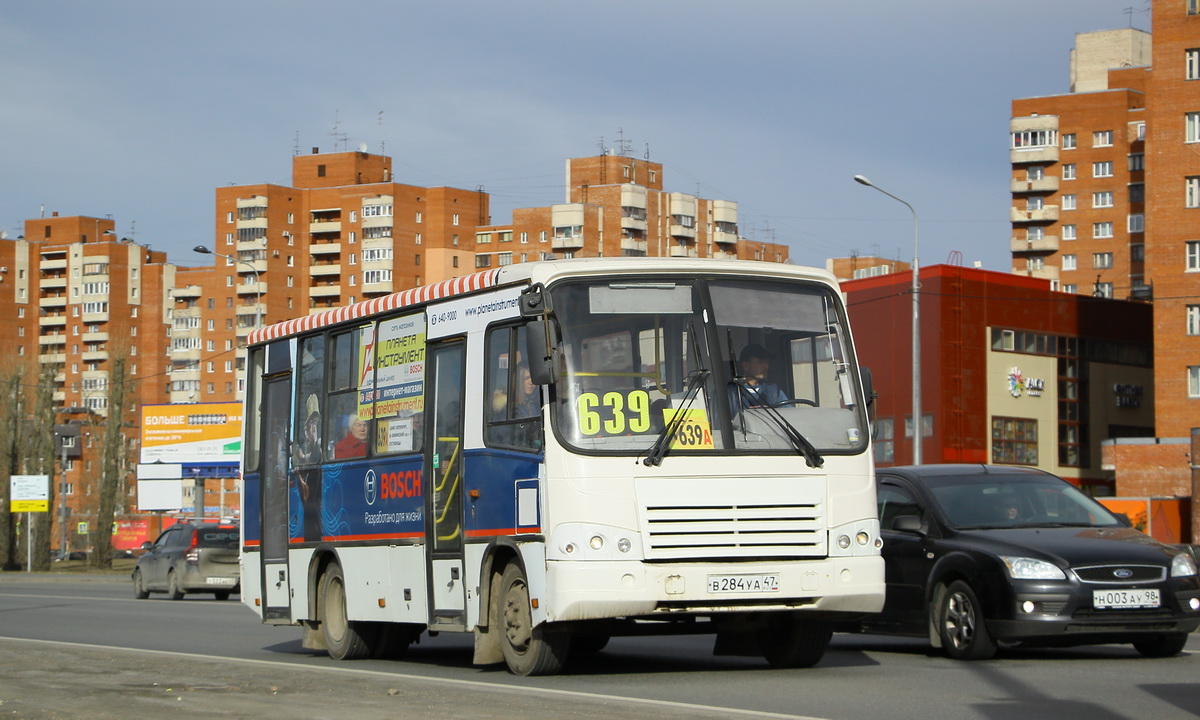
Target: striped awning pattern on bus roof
x,y
396,300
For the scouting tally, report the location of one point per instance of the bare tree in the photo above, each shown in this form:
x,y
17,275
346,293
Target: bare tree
x,y
112,463
40,457
10,404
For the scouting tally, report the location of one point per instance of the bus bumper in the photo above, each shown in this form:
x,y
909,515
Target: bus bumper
x,y
589,590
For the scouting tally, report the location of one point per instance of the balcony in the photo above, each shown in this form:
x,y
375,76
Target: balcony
x,y
567,242
325,248
633,223
725,238
725,255
95,337
1049,272
48,283
1047,244
1047,214
633,244
1045,185
53,301
53,264
95,356
52,340
187,293
1021,156
53,321
53,358
252,310
180,354
90,318
325,270
325,226
259,288
325,291
377,287
683,251
259,223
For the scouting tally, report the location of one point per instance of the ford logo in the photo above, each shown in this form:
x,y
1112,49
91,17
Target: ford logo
x,y
1123,573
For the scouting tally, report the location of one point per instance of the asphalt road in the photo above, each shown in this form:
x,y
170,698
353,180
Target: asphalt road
x,y
82,647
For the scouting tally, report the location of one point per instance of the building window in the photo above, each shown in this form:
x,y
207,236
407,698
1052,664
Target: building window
x,y
1191,64
1068,171
1102,199
1102,138
1193,7
1191,195
1035,233
1035,263
1193,319
1034,139
1193,381
1068,262
1137,252
1137,162
420,217
1137,223
1104,290
1193,255
1068,202
1068,232
1137,192
454,219
1014,441
1068,141
483,238
1069,288
1102,168
885,440
1033,172
1034,203
1102,230
1192,127
1102,260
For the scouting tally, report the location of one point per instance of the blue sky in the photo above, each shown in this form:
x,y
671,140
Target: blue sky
x,y
139,110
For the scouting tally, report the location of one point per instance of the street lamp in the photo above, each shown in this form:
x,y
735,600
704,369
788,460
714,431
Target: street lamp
x,y
918,425
203,250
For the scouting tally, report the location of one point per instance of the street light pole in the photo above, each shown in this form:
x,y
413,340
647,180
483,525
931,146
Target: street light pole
x,y
204,250
918,425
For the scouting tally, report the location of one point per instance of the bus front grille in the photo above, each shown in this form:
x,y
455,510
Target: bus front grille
x,y
687,531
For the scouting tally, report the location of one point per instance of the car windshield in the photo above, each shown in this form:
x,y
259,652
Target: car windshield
x,y
1011,501
222,538
738,365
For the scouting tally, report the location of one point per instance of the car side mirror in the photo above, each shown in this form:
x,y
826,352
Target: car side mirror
x,y
147,545
907,523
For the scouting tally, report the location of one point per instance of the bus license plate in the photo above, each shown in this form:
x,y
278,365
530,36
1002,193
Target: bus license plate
x,y
743,583
1135,598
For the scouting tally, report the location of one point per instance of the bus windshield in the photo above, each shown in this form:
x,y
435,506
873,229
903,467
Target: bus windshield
x,y
735,365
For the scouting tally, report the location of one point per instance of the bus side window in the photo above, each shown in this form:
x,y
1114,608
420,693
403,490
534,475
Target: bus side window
x,y
310,401
513,410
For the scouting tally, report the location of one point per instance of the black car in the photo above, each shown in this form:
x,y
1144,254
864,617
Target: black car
x,y
190,558
980,555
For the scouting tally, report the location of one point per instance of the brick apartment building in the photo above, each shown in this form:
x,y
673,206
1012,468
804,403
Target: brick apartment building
x,y
1106,196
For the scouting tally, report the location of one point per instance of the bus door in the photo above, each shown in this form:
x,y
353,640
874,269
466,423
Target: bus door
x,y
444,468
276,495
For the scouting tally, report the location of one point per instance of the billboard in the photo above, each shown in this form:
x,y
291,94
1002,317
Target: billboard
x,y
194,434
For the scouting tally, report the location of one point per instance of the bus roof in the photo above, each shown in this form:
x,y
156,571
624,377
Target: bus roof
x,y
542,271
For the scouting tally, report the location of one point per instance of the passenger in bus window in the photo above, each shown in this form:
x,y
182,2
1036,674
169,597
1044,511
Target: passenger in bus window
x,y
354,444
306,456
527,403
754,389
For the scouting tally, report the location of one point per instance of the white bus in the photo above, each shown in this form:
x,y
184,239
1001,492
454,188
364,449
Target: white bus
x,y
550,454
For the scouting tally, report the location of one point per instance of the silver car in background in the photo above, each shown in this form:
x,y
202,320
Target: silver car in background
x,y
190,558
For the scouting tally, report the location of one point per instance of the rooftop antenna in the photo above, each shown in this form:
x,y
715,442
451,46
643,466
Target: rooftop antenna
x,y
603,150
338,136
1129,12
382,142
296,144
623,145
646,155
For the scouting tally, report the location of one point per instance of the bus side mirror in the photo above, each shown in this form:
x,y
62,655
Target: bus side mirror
x,y
868,386
534,303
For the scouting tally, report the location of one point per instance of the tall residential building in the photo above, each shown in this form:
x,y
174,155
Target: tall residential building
x,y
615,206
1078,209
342,232
1106,198
84,299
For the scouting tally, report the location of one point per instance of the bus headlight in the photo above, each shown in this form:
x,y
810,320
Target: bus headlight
x,y
596,543
588,541
860,537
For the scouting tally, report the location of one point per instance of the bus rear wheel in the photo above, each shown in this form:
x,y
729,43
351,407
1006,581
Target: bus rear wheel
x,y
528,650
345,639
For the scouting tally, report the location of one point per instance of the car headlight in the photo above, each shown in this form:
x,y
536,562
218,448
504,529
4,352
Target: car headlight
x,y
1023,568
1183,565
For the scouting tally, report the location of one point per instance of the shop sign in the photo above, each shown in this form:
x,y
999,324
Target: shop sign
x,y
1018,384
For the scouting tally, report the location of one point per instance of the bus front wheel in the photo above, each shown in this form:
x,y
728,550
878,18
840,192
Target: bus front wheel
x,y
528,650
346,639
791,642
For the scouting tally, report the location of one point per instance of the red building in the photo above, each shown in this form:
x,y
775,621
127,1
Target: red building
x,y
1011,372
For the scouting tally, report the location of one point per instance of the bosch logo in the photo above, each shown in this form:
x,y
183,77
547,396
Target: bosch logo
x,y
371,487
1123,573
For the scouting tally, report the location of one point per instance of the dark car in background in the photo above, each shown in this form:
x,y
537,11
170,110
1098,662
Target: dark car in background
x,y
978,556
190,558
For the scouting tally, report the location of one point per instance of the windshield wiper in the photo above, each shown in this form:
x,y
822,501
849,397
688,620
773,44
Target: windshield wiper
x,y
799,442
659,449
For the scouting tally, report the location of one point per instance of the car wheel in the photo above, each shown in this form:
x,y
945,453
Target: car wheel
x,y
173,590
789,642
960,624
139,586
222,594
1161,646
345,639
528,650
